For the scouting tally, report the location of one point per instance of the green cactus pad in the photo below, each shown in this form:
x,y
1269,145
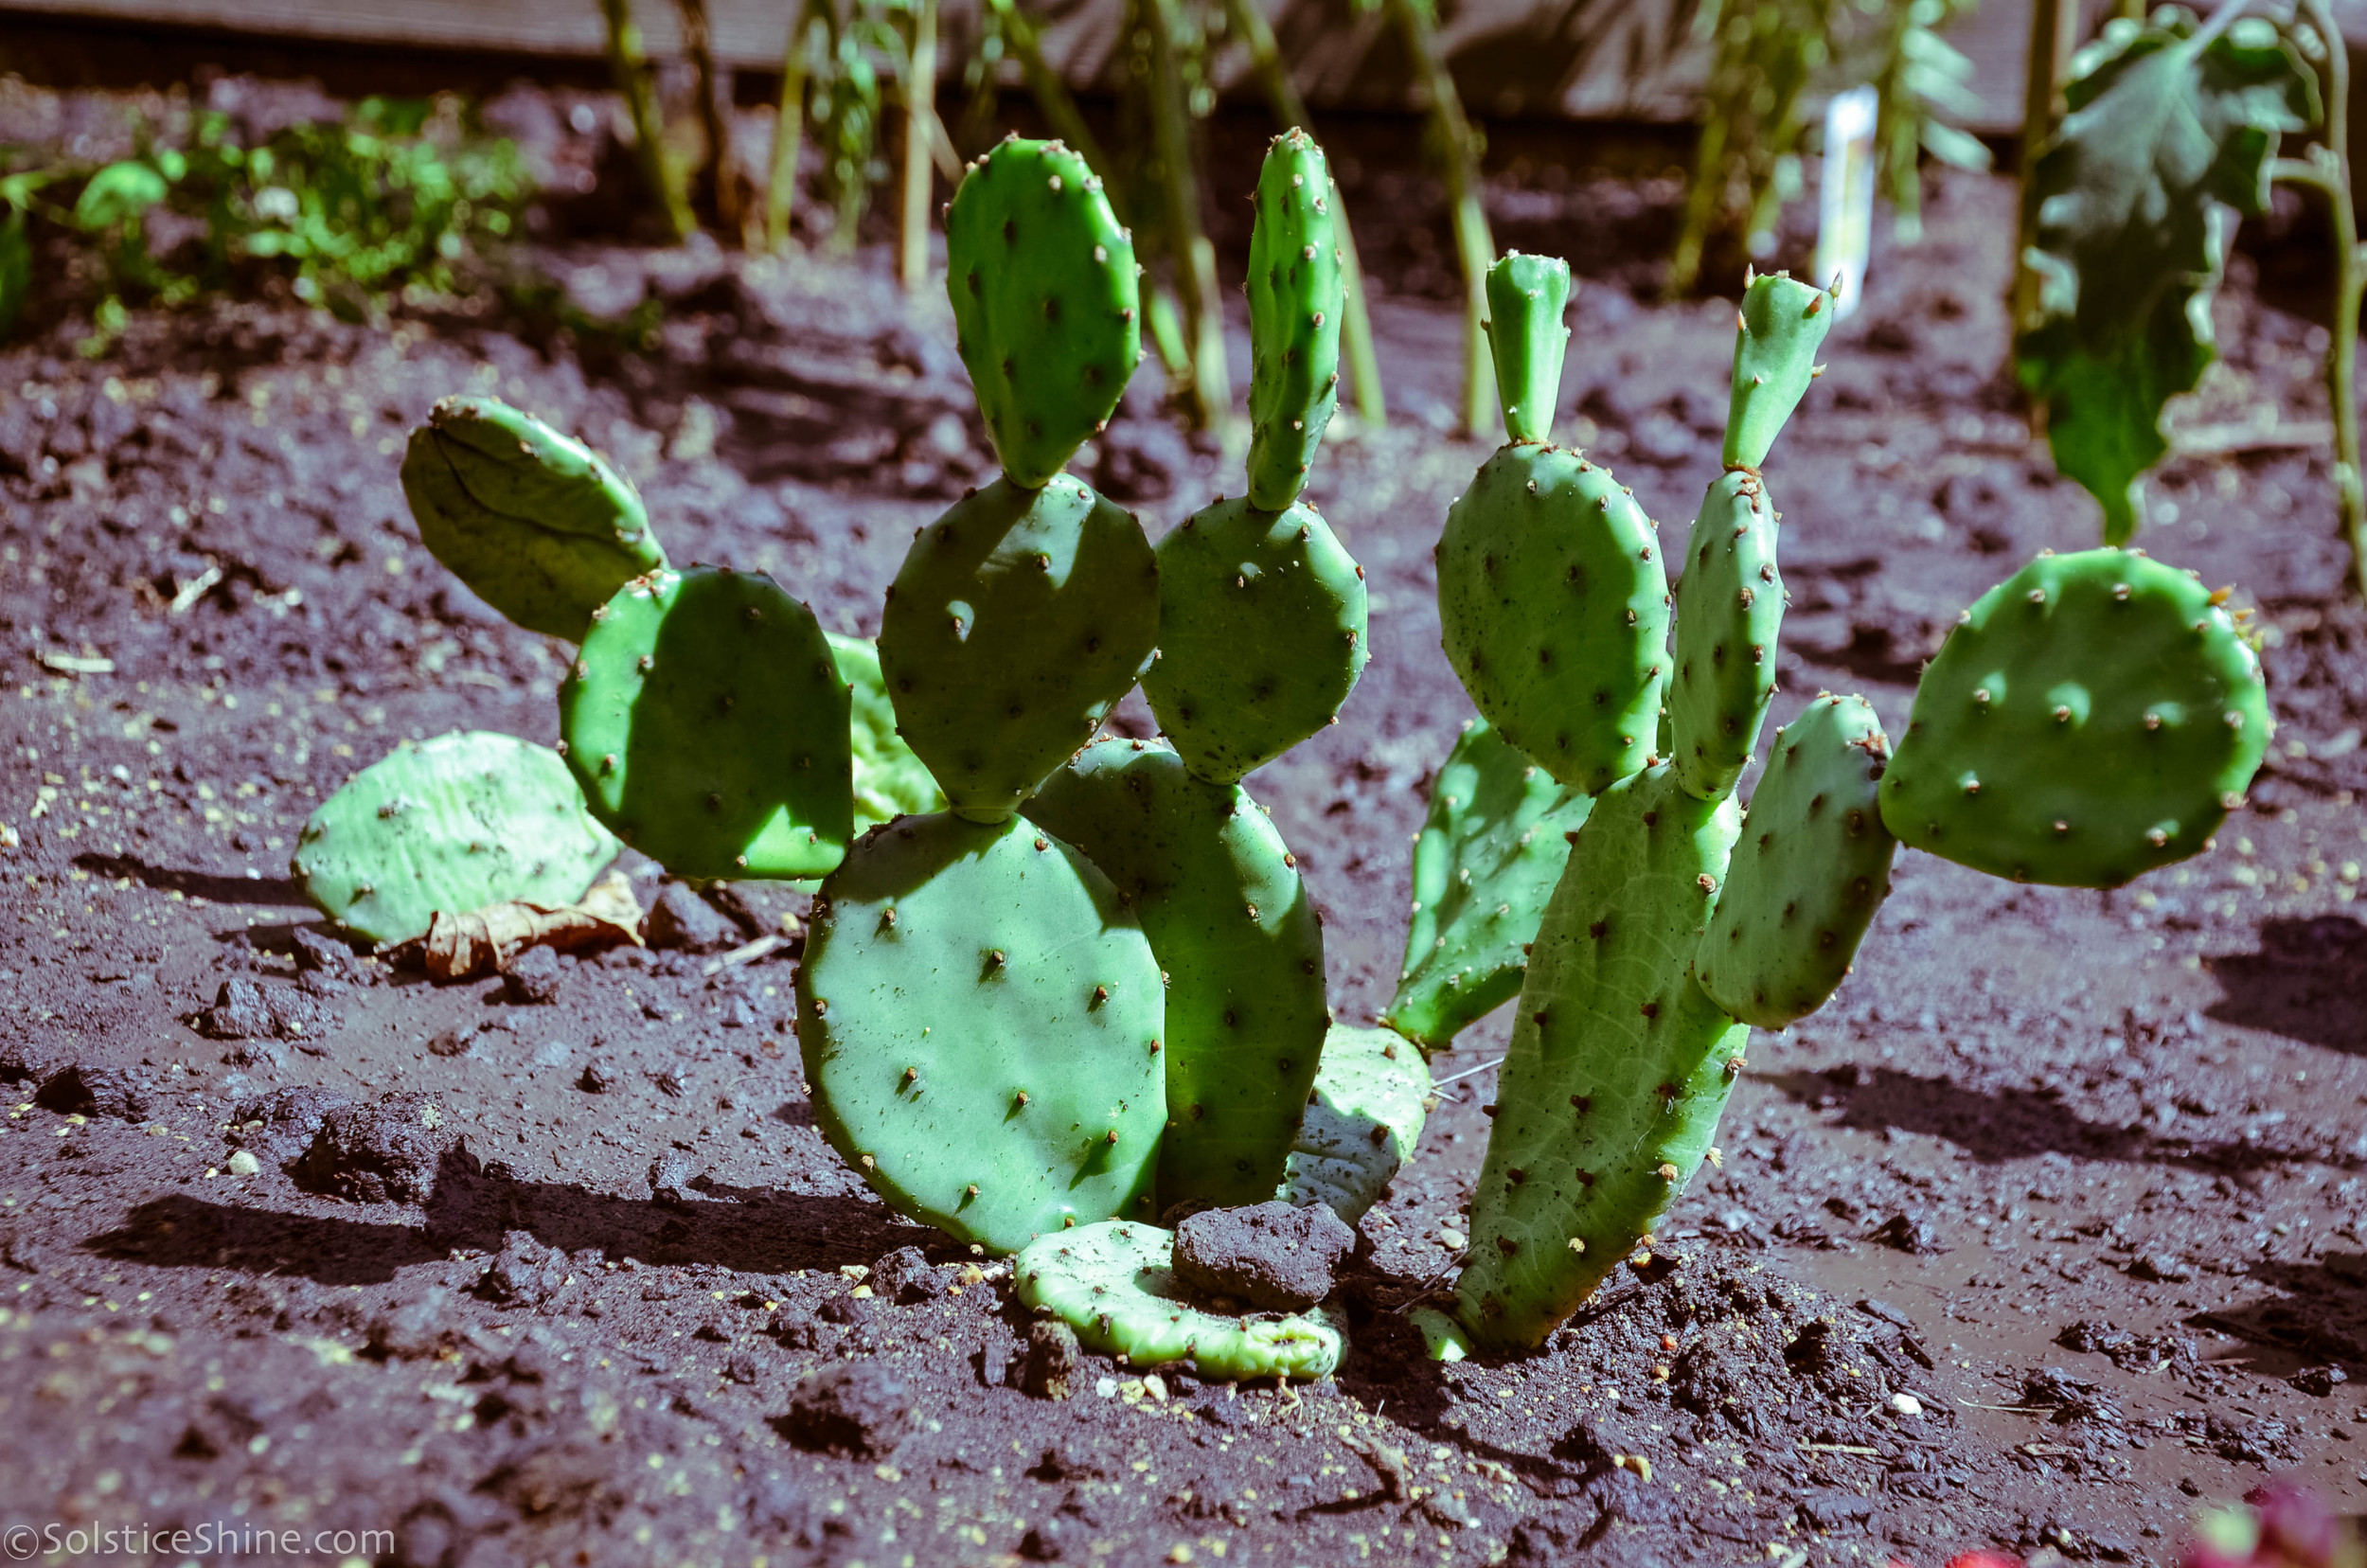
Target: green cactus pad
x,y
1362,1122
889,780
1261,635
1730,607
1526,295
1016,621
538,524
707,723
451,824
1552,604
1045,303
981,1024
1618,1066
1219,896
1115,1285
1812,866
1296,294
2091,718
1778,329
1486,862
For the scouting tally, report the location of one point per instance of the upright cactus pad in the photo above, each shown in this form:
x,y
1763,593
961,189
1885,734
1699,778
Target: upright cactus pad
x,y
1526,295
1812,868
1045,304
1552,604
1018,620
1219,897
981,1023
452,823
2091,718
1777,333
707,723
889,780
1115,1285
1261,635
1362,1122
1485,865
537,523
1730,606
1618,1067
1296,293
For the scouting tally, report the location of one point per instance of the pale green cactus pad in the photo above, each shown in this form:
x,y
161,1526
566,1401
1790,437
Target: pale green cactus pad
x,y
1362,1123
1777,332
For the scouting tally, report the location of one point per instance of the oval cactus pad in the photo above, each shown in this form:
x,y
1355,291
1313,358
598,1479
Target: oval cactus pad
x,y
1363,1120
1296,294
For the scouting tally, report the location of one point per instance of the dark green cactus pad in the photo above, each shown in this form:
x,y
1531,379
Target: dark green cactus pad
x,y
1261,635
538,524
452,823
1045,304
1016,621
2091,718
1485,865
1777,333
1730,608
1526,295
1296,293
1812,868
889,780
981,1023
1362,1122
1220,897
1618,1066
1552,604
707,723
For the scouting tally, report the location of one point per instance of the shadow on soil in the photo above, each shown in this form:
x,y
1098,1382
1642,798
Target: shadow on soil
x,y
2321,1316
2307,982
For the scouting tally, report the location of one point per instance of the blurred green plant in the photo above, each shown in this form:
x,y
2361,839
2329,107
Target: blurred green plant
x,y
1923,83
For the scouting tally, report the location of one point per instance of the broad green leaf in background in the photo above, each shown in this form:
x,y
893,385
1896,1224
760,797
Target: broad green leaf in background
x,y
16,268
119,191
2169,129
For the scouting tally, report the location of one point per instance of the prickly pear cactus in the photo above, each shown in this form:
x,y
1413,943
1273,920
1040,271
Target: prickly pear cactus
x,y
889,780
707,723
1296,293
1045,302
1016,621
451,824
537,523
1812,866
1219,897
982,1026
1777,332
1362,1122
1485,864
1113,1284
1528,293
1730,608
2093,717
1261,635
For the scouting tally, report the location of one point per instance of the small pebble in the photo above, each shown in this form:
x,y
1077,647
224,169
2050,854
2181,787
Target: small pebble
x,y
244,1164
1906,1404
1106,1388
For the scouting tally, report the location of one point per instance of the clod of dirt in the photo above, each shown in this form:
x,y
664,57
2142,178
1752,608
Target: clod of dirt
x,y
671,1180
593,1080
533,977
859,1409
1910,1233
23,1065
384,1152
2319,1381
318,953
2162,1267
524,1274
95,1091
2071,1396
415,1328
906,1276
281,1127
248,1009
1270,1254
683,922
1052,1356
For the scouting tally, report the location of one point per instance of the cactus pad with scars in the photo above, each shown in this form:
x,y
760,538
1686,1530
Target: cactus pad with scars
x,y
889,780
1526,295
1812,868
981,1025
1219,897
1046,307
1618,1065
1485,865
2093,716
451,824
1296,294
1779,327
1016,621
1261,635
539,525
1730,607
1362,1122
1113,1284
707,723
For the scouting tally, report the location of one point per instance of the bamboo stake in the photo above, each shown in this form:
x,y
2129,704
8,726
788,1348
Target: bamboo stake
x,y
1211,390
789,132
715,112
1474,246
920,132
630,70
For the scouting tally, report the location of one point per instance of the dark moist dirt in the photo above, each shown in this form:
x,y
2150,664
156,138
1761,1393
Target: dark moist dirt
x,y
2044,1229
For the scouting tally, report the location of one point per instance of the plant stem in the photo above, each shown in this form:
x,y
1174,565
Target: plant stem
x,y
1195,259
631,72
2331,164
789,132
715,112
1044,85
2054,31
1474,246
921,113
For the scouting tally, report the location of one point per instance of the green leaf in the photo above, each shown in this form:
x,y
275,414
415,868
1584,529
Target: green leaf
x,y
2171,133
16,269
117,192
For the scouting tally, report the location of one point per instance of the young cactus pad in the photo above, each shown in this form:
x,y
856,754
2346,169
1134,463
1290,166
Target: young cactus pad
x,y
2091,718
707,723
1231,925
1296,294
1016,621
1812,868
1261,635
452,823
1777,332
1730,607
537,523
981,1023
1113,1284
889,780
1526,295
1362,1122
1045,302
1485,864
